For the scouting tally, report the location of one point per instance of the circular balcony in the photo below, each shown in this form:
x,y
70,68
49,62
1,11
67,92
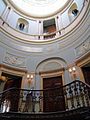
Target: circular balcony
x,y
43,30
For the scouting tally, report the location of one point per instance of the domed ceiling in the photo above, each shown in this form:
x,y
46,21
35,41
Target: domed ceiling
x,y
39,8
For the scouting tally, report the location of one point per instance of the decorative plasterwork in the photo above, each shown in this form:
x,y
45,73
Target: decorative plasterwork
x,y
83,48
83,60
52,73
14,60
51,64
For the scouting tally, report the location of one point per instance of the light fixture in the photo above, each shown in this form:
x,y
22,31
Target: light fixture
x,y
72,72
30,78
73,68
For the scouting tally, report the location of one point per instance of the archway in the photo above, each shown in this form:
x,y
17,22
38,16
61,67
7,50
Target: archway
x,y
51,77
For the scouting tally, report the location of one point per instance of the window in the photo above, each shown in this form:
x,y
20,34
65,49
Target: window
x,y
49,26
75,12
22,25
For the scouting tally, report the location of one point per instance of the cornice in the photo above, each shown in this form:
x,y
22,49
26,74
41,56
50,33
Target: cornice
x,y
8,68
83,60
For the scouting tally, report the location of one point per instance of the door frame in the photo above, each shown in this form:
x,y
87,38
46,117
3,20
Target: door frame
x,y
80,62
13,71
52,73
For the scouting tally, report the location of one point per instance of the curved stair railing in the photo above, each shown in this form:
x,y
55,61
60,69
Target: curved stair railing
x,y
69,97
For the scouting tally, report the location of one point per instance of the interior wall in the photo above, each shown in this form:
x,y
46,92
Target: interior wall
x,y
50,64
28,56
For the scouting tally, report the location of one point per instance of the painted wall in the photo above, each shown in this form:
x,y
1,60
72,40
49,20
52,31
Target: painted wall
x,y
2,7
27,56
34,26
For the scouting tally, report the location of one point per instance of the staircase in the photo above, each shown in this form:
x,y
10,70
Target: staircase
x,y
22,104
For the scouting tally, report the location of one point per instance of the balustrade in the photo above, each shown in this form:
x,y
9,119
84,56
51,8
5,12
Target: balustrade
x,y
73,95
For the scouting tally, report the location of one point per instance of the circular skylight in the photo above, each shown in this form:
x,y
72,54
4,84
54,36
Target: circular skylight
x,y
39,8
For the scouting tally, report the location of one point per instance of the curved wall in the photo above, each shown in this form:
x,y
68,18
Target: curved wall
x,y
33,30
24,55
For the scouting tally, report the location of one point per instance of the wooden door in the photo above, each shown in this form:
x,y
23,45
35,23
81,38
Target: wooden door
x,y
86,73
12,95
53,95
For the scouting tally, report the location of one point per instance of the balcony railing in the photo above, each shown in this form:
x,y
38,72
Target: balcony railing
x,y
69,97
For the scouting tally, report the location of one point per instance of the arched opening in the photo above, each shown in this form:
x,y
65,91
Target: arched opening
x,y
73,12
51,72
22,25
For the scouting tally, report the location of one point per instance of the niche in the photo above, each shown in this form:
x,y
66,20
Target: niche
x,y
73,12
22,25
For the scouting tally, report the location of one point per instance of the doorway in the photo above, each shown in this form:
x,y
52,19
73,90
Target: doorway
x,y
86,73
12,95
53,95
12,81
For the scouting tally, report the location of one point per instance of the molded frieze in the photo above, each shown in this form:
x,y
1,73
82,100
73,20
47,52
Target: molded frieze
x,y
83,48
14,60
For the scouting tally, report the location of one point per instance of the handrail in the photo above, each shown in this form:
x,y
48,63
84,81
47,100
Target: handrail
x,y
44,89
86,84
12,88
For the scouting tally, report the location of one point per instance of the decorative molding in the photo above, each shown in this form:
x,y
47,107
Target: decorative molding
x,y
83,48
10,69
83,61
14,60
52,72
